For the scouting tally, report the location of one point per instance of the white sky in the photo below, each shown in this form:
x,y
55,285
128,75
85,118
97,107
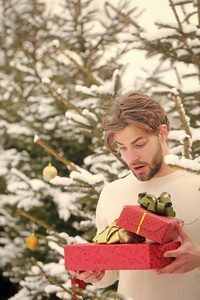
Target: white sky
x,y
155,9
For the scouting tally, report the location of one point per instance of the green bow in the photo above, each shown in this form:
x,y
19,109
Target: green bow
x,y
160,206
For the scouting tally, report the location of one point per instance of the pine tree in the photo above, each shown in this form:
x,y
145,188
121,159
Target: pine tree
x,y
30,107
177,44
57,85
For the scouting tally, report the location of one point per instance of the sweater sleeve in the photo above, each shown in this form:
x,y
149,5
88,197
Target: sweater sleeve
x,y
110,277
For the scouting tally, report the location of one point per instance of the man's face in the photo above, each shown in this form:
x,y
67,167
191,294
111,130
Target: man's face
x,y
142,152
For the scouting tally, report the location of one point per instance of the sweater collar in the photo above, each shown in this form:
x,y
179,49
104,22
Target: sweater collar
x,y
159,180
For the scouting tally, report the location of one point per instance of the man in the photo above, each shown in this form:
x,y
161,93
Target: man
x,y
138,126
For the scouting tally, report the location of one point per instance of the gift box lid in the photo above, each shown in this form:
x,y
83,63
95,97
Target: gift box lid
x,y
158,228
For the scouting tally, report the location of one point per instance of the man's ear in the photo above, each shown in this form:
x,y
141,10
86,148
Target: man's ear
x,y
163,133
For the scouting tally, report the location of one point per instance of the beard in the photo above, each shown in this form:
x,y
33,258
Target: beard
x,y
153,167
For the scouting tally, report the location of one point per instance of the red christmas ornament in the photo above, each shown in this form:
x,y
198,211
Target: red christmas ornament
x,y
78,283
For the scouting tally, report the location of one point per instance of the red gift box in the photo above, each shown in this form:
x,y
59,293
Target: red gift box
x,y
138,220
144,256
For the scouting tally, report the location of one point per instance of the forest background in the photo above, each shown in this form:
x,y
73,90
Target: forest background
x,y
62,63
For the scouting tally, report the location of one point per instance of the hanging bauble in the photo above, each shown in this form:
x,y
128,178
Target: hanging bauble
x,y
49,172
32,242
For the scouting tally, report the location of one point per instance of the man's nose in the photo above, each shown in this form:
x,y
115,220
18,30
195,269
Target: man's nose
x,y
132,157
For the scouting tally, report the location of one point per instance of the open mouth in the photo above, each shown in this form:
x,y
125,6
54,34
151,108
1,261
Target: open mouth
x,y
139,169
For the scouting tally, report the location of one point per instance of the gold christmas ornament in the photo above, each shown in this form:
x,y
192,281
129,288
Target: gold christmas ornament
x,y
32,242
49,172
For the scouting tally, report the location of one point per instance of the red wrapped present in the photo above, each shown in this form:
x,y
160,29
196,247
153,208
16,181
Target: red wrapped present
x,y
117,256
160,229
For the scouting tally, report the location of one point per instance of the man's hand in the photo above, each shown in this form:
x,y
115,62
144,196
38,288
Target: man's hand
x,y
88,276
187,256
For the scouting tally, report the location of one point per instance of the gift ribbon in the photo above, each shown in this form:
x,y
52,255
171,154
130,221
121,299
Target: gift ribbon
x,y
160,206
142,219
109,235
113,234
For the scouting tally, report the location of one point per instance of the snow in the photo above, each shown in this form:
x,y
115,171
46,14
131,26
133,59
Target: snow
x,y
22,294
36,138
56,247
63,201
34,184
52,289
185,163
3,171
161,34
22,68
195,134
46,80
87,178
76,118
56,43
107,87
174,91
62,181
90,115
14,128
183,137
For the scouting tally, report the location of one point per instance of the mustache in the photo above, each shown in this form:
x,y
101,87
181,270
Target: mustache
x,y
137,164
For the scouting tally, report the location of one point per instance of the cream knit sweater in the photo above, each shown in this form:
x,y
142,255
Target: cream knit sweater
x,y
146,284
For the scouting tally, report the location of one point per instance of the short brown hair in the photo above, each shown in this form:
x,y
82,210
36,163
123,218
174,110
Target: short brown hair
x,y
133,109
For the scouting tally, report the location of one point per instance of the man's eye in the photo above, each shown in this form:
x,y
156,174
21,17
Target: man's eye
x,y
122,148
140,145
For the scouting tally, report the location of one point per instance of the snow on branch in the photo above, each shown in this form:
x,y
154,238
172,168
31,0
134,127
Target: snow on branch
x,y
106,88
161,34
56,247
183,163
75,118
90,115
78,65
91,179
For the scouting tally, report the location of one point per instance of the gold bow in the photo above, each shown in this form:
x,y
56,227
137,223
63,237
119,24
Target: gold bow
x,y
114,234
160,206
